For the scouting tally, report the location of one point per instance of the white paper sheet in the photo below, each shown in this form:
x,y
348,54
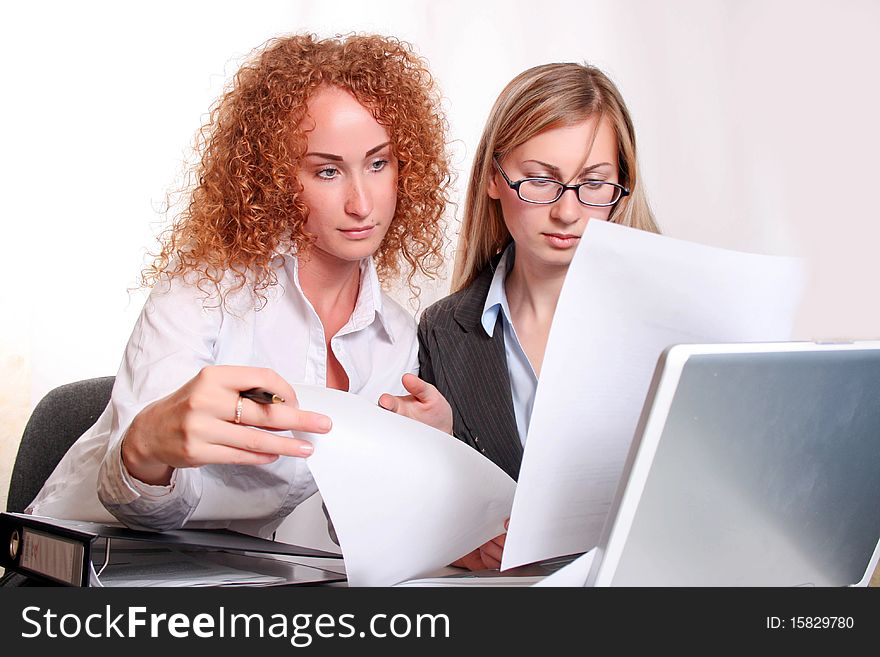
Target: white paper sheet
x,y
405,499
627,296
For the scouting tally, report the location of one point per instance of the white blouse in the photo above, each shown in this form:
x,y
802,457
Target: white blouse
x,y
176,335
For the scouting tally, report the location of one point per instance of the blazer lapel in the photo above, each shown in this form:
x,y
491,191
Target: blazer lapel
x,y
484,401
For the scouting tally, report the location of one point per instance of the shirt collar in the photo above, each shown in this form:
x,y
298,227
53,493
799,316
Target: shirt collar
x,y
368,306
496,299
369,301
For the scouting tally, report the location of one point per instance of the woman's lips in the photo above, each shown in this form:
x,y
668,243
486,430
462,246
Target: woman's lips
x,y
561,240
357,233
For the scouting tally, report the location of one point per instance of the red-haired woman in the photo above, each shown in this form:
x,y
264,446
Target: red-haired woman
x,y
323,174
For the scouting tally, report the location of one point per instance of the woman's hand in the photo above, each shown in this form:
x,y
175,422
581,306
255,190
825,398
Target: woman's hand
x,y
423,403
486,556
196,425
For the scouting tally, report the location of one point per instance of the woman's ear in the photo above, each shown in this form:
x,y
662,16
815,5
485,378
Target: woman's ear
x,y
492,186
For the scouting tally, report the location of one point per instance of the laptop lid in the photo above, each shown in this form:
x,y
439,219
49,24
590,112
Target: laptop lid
x,y
752,465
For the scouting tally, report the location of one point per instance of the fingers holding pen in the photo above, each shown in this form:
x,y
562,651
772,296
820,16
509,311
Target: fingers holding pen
x,y
207,421
278,417
230,406
200,439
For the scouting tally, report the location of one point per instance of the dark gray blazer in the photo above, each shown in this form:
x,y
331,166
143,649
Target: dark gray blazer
x,y
470,370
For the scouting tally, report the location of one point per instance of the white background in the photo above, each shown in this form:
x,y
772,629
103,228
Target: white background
x,y
757,125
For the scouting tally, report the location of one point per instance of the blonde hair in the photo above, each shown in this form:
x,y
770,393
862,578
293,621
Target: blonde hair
x,y
536,100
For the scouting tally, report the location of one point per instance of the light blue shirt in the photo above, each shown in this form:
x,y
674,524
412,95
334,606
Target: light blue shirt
x,y
523,381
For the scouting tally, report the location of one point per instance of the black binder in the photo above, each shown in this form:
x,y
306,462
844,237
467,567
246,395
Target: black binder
x,y
63,551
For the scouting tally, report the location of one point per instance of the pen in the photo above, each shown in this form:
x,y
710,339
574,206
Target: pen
x,y
261,396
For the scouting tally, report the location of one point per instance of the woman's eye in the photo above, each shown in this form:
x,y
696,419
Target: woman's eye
x,y
328,173
543,182
378,165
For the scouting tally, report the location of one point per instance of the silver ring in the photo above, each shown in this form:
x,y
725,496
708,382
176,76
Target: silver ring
x,y
237,419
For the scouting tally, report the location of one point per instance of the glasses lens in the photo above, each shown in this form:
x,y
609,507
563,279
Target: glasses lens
x,y
540,191
599,193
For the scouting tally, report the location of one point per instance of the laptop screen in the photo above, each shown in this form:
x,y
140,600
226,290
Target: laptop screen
x,y
756,468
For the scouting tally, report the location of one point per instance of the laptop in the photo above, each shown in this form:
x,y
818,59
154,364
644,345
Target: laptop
x,y
752,465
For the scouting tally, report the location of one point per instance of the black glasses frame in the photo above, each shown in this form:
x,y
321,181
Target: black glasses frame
x,y
562,189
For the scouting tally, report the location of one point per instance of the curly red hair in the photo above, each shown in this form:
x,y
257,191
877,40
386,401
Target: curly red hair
x,y
246,205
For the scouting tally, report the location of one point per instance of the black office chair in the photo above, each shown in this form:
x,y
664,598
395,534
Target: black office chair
x,y
61,417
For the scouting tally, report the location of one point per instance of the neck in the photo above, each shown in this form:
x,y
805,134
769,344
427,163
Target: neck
x,y
328,282
533,290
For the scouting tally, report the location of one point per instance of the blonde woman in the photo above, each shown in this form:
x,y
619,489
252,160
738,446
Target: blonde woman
x,y
558,151
323,173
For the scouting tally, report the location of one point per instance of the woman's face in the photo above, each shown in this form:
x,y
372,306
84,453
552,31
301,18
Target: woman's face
x,y
348,174
547,235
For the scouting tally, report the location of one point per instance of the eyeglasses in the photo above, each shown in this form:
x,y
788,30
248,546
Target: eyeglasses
x,y
595,193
